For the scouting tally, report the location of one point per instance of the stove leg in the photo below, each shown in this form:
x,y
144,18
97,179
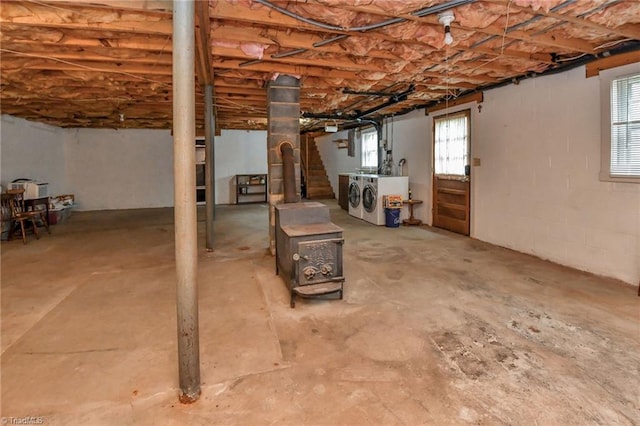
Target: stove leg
x,y
293,300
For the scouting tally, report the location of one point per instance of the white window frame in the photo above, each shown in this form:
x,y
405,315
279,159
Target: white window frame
x,y
606,79
369,138
466,114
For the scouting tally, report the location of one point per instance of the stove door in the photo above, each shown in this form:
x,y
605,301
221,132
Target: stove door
x,y
319,261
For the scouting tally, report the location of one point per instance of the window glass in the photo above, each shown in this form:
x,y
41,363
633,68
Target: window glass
x,y
369,149
625,126
451,153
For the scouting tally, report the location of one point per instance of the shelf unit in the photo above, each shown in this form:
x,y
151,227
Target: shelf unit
x,y
251,188
200,182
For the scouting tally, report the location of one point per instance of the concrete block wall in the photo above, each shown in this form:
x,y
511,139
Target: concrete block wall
x,y
117,169
33,151
537,189
283,113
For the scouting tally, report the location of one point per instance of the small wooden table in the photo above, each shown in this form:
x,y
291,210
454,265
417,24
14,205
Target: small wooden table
x,y
412,220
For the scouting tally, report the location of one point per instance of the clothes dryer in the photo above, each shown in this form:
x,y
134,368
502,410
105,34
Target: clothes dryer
x,y
375,187
355,195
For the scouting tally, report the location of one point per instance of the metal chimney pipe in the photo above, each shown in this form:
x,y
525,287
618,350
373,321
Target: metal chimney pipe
x,y
288,173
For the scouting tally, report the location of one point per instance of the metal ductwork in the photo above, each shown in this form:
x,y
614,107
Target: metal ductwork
x,y
288,173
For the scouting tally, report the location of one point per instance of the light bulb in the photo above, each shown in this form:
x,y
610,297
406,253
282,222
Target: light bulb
x,y
448,38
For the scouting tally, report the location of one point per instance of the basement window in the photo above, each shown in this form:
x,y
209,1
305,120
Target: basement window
x,y
451,144
621,130
369,153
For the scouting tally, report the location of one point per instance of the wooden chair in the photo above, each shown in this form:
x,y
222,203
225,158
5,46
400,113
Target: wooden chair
x,y
19,215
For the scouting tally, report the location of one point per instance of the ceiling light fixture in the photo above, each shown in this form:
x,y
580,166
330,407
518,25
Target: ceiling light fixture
x,y
331,128
446,18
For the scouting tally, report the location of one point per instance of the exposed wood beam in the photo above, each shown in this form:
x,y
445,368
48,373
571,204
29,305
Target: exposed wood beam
x,y
331,64
534,57
263,16
594,68
272,67
548,40
21,63
119,27
472,97
149,5
285,39
203,42
98,54
627,30
571,44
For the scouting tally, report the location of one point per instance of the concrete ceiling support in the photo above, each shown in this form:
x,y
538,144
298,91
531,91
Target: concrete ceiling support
x,y
209,164
184,124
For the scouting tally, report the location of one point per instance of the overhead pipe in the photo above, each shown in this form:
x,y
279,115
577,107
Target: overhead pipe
x,y
398,97
440,7
288,173
289,53
330,40
633,46
419,13
209,165
378,94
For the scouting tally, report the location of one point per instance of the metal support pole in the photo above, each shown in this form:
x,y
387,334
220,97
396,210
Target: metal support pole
x,y
184,163
209,164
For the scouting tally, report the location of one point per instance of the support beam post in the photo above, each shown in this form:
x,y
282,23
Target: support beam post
x,y
185,200
209,164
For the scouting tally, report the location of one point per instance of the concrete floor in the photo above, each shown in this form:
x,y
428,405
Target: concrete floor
x,y
434,328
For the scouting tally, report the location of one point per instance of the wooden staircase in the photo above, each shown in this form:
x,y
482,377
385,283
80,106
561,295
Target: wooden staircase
x,y
315,176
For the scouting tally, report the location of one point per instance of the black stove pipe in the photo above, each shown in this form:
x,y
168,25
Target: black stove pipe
x,y
288,173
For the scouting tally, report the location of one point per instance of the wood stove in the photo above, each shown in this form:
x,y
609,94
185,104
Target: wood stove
x,y
308,250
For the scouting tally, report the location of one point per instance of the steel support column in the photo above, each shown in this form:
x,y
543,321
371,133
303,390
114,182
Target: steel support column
x,y
209,164
184,161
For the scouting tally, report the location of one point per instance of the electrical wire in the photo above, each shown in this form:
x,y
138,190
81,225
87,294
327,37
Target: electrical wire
x,y
398,20
241,105
504,37
612,43
572,58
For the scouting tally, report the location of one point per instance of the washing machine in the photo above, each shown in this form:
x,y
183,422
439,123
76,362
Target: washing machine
x,y
375,187
355,195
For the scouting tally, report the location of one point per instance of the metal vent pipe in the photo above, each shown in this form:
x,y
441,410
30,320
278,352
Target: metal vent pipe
x,y
288,173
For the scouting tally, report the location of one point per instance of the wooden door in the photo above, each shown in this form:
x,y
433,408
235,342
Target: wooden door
x,y
451,178
451,204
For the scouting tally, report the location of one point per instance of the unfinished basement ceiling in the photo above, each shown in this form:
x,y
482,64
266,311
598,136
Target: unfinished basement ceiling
x,y
108,63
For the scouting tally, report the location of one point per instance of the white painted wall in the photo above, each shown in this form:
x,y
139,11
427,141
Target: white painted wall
x,y
538,191
32,150
336,160
119,169
238,152
411,138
